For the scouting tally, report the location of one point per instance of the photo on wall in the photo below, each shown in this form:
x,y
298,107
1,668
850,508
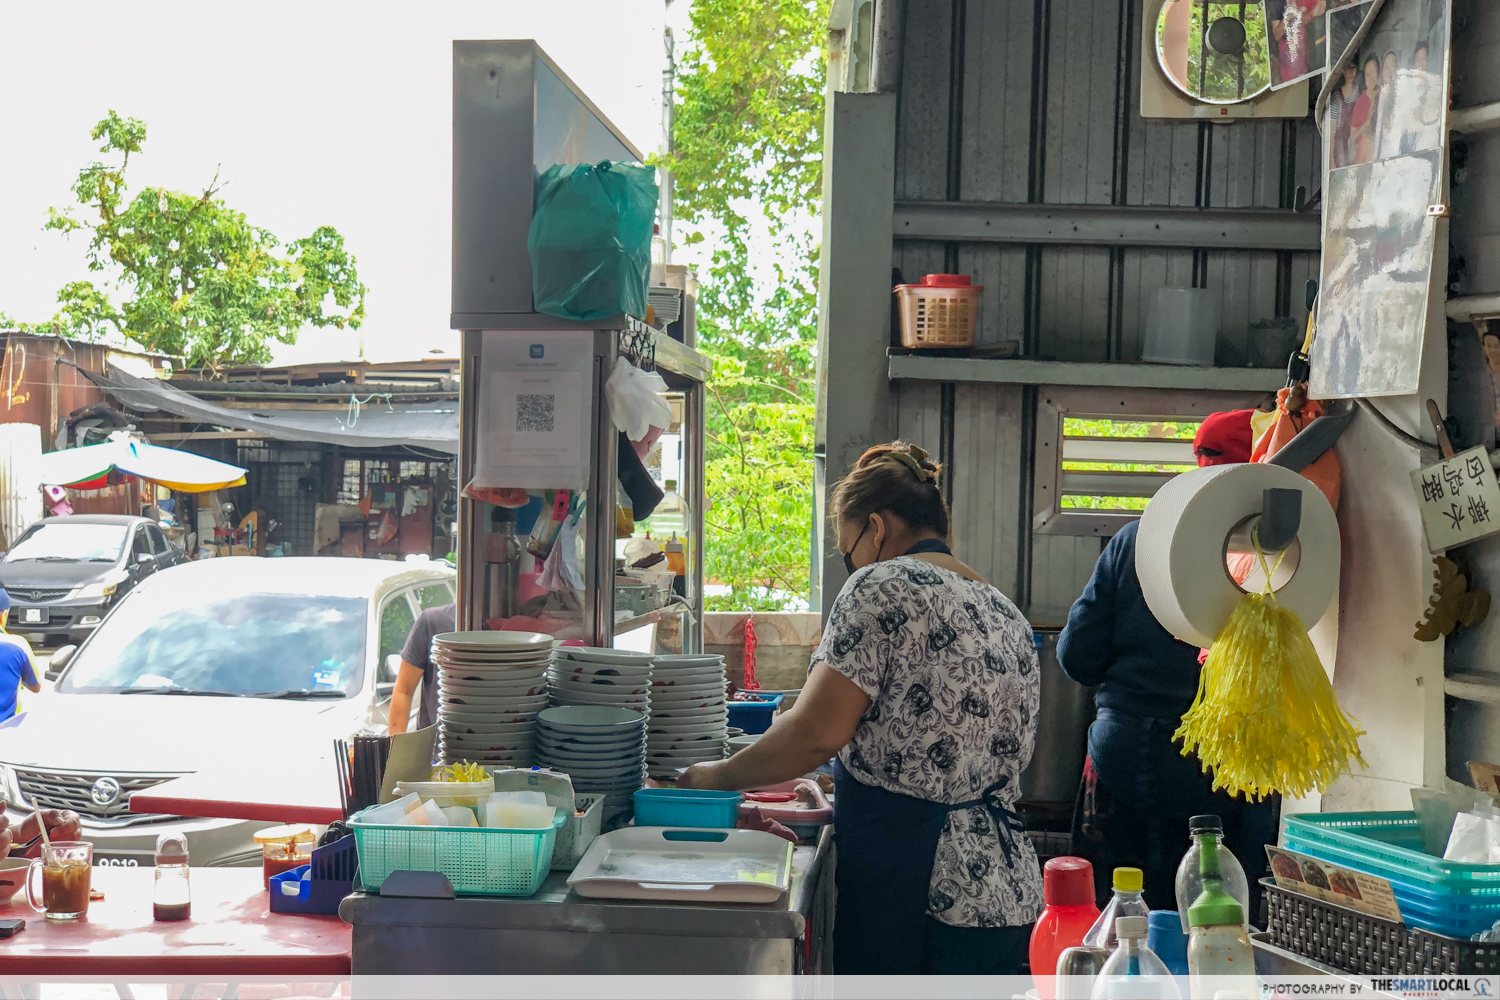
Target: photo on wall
x,y
1388,100
1377,268
1296,43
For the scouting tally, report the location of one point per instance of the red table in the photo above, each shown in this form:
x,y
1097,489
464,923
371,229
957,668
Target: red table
x,y
307,793
231,933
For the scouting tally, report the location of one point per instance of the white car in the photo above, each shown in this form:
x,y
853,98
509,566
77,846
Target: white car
x,y
220,663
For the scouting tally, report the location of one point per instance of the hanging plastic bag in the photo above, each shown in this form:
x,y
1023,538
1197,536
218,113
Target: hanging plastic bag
x,y
635,401
590,240
1266,718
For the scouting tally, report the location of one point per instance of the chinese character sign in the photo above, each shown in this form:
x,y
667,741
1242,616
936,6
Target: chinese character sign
x,y
1459,498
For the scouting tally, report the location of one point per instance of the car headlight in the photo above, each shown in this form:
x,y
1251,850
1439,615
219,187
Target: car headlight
x,y
98,590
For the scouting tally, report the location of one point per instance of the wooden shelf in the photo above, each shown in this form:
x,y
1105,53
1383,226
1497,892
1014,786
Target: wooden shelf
x,y
1104,374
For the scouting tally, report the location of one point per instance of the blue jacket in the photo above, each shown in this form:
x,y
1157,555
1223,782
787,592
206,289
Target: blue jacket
x,y
1112,640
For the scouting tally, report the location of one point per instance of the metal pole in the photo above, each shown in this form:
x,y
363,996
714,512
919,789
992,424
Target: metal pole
x,y
668,89
470,559
694,428
599,520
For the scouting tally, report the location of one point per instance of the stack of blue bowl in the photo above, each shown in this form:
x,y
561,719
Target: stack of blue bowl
x,y
603,749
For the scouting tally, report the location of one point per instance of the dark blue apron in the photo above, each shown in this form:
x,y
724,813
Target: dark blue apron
x,y
886,842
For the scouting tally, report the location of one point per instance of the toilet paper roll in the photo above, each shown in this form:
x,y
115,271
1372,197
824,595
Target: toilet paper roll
x,y
1180,545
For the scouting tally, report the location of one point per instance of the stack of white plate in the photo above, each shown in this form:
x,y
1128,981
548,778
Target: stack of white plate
x,y
586,675
601,748
491,685
689,714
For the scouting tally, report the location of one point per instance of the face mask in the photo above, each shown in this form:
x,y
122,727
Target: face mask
x,y
849,566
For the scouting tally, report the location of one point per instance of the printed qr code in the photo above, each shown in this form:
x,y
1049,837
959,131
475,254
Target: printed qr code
x,y
534,413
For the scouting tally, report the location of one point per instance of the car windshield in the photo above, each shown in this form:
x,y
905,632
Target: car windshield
x,y
177,639
69,541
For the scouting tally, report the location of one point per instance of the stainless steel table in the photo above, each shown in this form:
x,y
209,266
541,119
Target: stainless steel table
x,y
557,931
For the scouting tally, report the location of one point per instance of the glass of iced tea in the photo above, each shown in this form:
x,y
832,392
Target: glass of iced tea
x,y
65,868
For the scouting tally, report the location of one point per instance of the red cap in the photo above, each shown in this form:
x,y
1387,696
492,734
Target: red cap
x,y
946,280
1223,438
1068,882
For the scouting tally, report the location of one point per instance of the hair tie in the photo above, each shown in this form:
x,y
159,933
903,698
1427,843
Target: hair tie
x,y
913,460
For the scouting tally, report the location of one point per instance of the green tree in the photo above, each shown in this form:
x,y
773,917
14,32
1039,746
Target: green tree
x,y
747,150
194,277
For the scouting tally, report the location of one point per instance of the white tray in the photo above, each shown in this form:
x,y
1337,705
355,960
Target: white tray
x,y
657,862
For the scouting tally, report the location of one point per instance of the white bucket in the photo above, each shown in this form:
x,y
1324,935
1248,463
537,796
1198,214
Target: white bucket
x,y
1181,329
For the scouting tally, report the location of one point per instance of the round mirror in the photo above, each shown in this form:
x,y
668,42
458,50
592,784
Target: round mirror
x,y
1212,51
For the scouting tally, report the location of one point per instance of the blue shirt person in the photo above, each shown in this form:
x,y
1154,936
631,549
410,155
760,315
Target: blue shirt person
x,y
16,666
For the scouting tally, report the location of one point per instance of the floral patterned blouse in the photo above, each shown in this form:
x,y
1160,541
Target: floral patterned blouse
x,y
953,679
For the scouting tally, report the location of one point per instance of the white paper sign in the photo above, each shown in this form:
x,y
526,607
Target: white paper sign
x,y
1459,499
536,396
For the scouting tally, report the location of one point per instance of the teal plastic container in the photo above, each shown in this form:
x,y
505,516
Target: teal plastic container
x,y
1446,897
691,807
479,861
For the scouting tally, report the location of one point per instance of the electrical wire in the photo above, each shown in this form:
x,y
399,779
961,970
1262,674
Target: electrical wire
x,y
1391,428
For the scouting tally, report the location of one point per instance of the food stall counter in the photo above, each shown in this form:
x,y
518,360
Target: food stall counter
x,y
557,931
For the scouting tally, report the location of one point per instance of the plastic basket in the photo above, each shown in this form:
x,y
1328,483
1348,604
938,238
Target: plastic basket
x,y
479,861
312,896
940,312
1442,896
755,716
1360,943
687,807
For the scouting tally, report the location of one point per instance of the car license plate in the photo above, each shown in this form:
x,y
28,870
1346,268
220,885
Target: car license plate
x,y
34,615
123,859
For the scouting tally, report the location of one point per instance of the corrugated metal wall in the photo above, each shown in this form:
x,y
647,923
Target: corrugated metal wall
x,y
1037,101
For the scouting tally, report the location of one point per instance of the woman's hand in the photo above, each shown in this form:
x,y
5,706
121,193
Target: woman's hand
x,y
700,776
62,824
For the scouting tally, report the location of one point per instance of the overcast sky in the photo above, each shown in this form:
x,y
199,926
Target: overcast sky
x,y
321,112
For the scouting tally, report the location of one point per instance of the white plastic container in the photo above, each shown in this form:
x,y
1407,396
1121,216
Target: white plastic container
x,y
1181,328
1133,971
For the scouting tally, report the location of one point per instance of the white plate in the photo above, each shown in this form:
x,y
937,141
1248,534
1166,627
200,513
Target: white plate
x,y
448,662
496,638
565,665
638,702
671,660
711,687
594,654
591,719
665,705
475,689
676,718
579,739
528,705
682,740
485,717
594,682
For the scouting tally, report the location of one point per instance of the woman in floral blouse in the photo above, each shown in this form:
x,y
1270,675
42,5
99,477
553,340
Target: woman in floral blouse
x,y
925,688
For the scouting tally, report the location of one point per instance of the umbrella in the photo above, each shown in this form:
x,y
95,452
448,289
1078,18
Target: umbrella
x,y
88,468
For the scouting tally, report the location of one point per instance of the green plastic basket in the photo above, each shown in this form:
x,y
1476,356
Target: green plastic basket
x,y
479,861
1388,844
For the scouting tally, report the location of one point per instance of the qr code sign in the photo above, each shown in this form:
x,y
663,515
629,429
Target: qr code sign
x,y
534,413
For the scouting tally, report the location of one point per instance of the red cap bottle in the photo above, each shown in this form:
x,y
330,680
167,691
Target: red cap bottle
x,y
1068,892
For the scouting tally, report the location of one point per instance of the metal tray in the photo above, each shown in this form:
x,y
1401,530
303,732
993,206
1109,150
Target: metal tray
x,y
685,865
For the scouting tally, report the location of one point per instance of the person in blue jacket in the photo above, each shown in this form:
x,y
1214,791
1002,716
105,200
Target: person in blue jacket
x,y
1139,790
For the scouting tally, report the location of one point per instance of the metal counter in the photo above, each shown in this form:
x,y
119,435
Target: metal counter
x,y
558,931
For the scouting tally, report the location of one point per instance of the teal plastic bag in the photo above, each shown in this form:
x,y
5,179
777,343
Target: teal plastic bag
x,y
590,240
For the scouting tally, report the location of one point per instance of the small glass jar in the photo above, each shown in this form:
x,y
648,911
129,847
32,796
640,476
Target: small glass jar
x,y
284,848
171,897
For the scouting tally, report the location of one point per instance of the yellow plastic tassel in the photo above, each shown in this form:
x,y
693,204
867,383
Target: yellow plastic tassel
x,y
1266,718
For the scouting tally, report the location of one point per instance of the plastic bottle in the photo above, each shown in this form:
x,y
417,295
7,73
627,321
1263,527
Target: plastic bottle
x,y
671,515
1219,953
1189,881
1126,902
1166,937
171,897
1067,914
1133,971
